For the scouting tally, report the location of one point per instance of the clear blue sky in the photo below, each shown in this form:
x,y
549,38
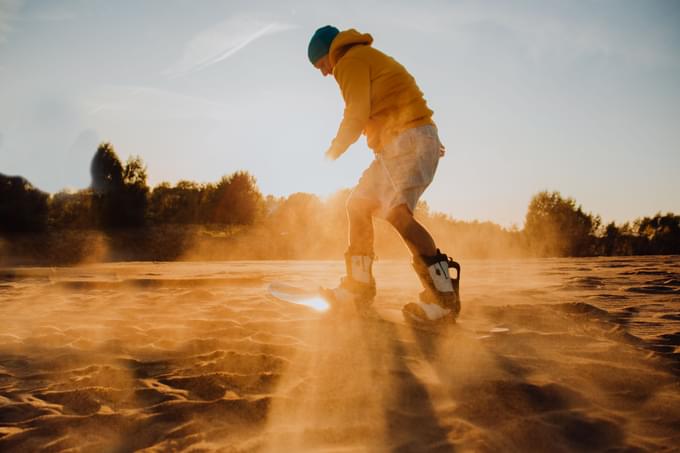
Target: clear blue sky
x,y
581,97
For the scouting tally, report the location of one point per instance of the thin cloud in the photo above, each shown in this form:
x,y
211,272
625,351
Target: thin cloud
x,y
220,42
151,102
543,30
9,10
53,16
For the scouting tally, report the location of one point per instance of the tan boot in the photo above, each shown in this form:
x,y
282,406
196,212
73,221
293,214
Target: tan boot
x,y
358,286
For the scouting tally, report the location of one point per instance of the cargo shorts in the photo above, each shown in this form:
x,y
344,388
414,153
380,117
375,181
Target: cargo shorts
x,y
402,171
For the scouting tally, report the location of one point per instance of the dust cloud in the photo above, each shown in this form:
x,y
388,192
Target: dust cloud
x,y
548,355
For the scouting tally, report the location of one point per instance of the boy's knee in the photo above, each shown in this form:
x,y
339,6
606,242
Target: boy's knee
x,y
400,217
358,206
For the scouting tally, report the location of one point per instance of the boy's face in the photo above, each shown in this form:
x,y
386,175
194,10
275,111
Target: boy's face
x,y
323,64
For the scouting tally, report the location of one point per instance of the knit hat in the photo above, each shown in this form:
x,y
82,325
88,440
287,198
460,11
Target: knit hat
x,y
320,43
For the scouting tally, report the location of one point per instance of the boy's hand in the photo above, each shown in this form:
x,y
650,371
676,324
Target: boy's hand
x,y
333,153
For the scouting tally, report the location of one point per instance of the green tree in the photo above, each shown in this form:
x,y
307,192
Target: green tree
x,y
120,192
176,205
134,193
234,200
555,226
106,169
298,223
661,234
23,208
299,214
134,173
71,210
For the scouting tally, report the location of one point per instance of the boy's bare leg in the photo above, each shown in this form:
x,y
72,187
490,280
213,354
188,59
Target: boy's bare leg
x,y
360,215
440,296
358,286
416,237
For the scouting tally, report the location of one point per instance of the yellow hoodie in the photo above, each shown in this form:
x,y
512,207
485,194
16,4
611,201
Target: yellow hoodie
x,y
381,97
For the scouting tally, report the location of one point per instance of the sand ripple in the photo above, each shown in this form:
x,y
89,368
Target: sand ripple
x,y
549,355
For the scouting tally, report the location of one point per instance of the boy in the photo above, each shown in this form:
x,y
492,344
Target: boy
x,y
383,101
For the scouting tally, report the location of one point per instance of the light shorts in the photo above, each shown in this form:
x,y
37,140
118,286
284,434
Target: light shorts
x,y
402,171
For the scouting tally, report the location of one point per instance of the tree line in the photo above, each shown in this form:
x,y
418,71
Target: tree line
x,y
232,219
119,197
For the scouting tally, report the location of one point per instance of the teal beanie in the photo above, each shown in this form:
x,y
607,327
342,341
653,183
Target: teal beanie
x,y
320,43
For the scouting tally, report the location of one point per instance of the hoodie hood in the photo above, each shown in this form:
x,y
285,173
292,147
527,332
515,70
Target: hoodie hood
x,y
346,40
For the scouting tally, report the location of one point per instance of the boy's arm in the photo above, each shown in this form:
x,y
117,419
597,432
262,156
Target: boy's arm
x,y
353,77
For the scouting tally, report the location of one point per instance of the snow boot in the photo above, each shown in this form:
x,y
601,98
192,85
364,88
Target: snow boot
x,y
441,296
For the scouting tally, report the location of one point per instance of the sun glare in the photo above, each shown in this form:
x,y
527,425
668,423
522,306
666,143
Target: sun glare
x,y
316,303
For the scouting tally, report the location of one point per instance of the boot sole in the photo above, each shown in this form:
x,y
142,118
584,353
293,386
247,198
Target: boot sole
x,y
416,315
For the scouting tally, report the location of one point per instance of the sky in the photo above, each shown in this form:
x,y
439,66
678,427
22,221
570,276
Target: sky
x,y
529,95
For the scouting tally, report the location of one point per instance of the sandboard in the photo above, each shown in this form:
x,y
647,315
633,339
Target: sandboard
x,y
312,298
317,299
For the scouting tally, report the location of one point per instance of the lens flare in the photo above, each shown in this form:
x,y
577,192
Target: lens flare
x,y
299,296
316,303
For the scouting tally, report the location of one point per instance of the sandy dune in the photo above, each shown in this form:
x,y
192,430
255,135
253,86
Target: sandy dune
x,y
549,355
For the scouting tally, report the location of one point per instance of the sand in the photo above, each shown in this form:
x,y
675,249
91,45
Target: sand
x,y
549,355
